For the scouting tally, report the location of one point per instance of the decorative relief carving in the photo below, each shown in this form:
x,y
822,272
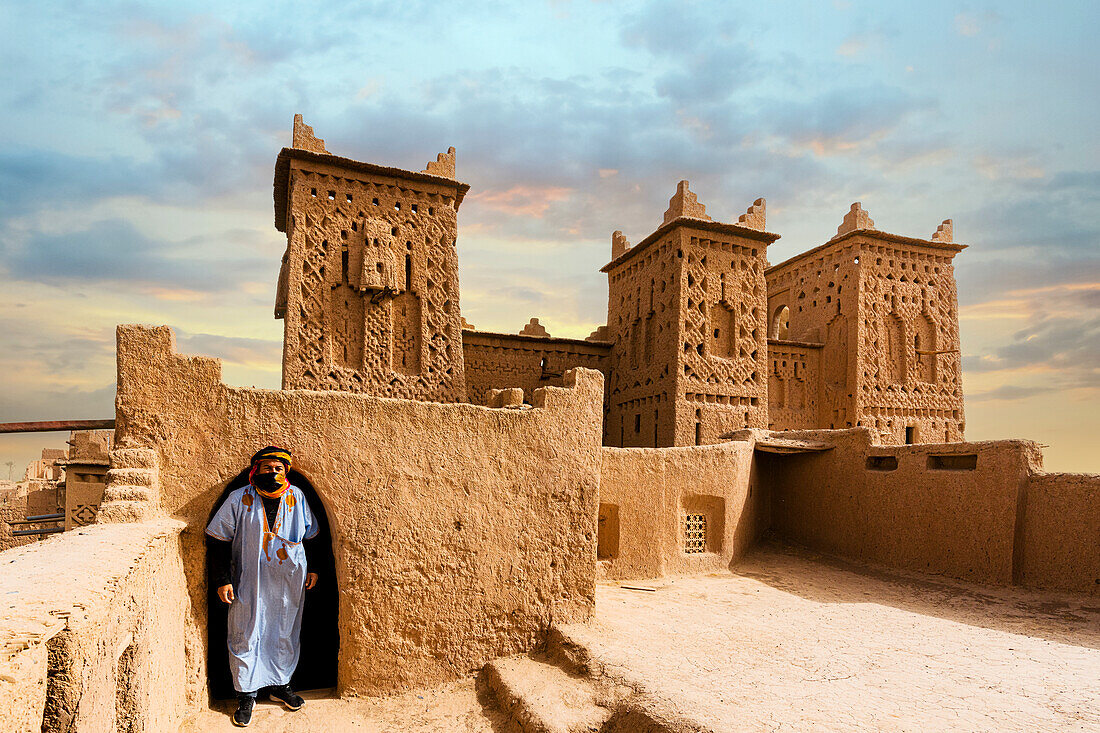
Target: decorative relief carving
x,y
375,305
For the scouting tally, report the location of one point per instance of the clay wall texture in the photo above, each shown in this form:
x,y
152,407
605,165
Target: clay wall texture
x,y
1060,533
95,641
688,323
875,302
369,285
646,495
959,509
504,361
460,532
794,382
13,507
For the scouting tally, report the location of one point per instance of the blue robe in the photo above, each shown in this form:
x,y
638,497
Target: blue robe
x,y
269,575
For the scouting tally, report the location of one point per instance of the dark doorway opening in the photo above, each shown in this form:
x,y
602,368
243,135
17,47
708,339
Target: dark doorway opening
x,y
320,640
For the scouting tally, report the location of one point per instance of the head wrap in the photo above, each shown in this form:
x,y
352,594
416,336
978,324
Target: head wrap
x,y
271,452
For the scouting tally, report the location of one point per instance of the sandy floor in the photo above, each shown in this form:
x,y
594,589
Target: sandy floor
x,y
453,707
794,642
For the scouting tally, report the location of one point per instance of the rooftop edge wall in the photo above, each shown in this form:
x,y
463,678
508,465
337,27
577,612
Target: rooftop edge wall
x,y
983,511
460,532
646,495
96,638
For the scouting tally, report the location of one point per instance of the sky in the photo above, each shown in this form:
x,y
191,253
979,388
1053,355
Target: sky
x,y
140,140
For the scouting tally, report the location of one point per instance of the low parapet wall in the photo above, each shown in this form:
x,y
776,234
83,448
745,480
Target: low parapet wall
x,y
647,495
460,532
93,631
1061,533
504,361
977,511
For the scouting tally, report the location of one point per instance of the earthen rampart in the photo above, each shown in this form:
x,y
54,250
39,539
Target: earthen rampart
x,y
1060,525
93,633
978,511
505,361
460,532
13,508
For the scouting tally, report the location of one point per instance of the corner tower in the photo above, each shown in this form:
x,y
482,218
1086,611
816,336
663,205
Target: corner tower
x,y
687,319
865,332
368,289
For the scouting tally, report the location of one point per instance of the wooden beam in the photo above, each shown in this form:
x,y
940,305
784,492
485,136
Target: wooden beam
x,y
51,426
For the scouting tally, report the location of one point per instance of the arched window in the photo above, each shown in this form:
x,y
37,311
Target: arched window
x,y
781,323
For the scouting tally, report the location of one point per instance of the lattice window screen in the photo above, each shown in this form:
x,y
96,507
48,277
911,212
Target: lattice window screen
x,y
695,533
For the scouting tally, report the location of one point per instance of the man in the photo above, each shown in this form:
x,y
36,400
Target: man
x,y
260,548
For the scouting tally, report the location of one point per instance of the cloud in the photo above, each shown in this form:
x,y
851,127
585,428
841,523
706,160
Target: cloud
x,y
529,201
1008,392
46,402
842,119
995,169
114,251
705,61
967,24
1059,339
853,46
249,352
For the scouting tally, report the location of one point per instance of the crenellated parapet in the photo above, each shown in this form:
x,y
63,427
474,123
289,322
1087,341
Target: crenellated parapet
x,y
684,203
755,217
443,165
534,328
855,219
304,139
945,232
619,244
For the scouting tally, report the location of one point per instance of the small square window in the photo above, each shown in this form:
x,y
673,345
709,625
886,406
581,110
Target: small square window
x,y
397,206
331,195
313,192
348,196
695,533
374,201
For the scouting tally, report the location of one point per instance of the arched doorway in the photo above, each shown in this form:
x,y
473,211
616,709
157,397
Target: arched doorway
x,y
320,640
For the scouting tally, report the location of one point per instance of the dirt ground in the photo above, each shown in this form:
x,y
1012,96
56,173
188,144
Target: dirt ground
x,y
792,641
453,708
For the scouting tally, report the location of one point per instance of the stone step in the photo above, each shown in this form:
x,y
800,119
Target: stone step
x,y
133,458
119,512
131,476
635,711
542,698
123,492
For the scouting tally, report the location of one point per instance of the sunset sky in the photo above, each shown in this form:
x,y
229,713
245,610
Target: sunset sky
x,y
140,140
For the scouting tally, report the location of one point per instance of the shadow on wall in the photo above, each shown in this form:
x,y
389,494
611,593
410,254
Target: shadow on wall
x,y
320,641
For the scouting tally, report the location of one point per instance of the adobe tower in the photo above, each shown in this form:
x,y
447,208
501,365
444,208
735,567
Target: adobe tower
x,y
368,288
687,315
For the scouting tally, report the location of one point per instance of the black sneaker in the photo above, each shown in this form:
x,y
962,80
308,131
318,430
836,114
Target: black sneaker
x,y
243,716
286,696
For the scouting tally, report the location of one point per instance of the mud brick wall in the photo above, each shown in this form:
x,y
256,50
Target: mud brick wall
x,y
460,532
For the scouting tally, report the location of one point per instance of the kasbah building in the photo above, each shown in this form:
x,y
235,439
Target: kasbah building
x,y
746,502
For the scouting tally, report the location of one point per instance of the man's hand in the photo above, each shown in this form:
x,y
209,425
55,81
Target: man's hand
x,y
225,593
311,580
